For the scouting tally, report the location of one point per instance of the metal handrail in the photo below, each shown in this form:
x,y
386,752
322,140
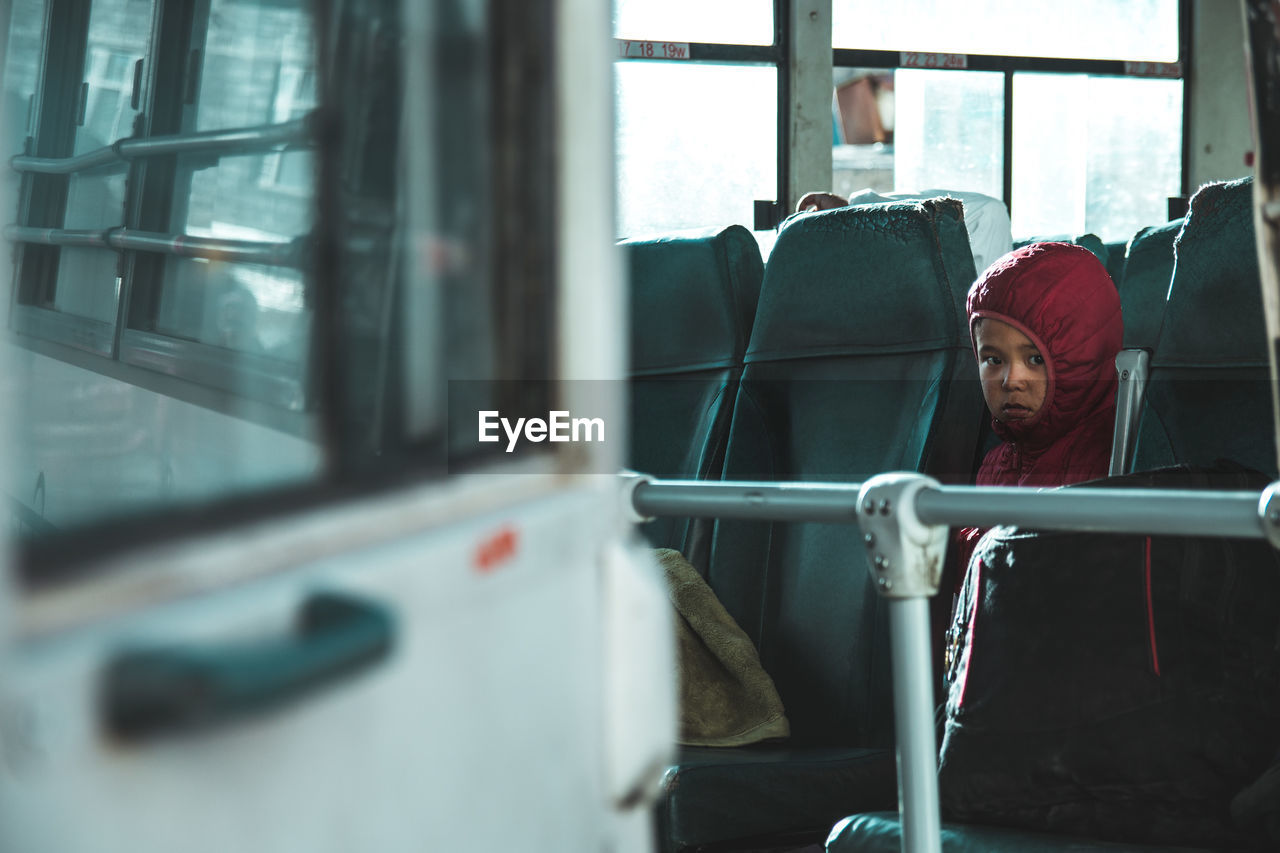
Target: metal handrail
x,y
230,141
904,519
285,253
1150,511
1132,368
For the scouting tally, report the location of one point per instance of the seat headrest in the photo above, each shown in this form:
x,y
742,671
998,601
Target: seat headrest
x,y
866,280
1148,268
1214,314
1089,241
693,297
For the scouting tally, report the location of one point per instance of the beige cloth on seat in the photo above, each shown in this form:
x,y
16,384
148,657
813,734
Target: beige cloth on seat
x,y
726,697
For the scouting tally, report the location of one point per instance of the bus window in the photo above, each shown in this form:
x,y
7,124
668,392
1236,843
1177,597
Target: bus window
x,y
165,199
187,332
1094,154
262,197
923,97
695,145
1087,29
933,96
77,117
910,129
727,21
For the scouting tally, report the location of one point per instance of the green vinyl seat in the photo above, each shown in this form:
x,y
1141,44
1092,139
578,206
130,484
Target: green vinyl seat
x,y
1148,269
1209,390
1116,257
859,363
692,298
1092,242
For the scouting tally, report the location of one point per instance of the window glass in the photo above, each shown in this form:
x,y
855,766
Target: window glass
x,y
717,21
161,422
21,66
948,130
88,279
909,130
1094,155
432,252
17,120
257,71
696,144
1140,30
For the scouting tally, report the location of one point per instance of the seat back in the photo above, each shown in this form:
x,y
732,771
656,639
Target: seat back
x,y
1148,270
859,363
1092,242
1116,254
1209,392
693,297
1144,286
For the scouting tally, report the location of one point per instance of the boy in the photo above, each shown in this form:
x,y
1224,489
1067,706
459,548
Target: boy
x,y
1046,328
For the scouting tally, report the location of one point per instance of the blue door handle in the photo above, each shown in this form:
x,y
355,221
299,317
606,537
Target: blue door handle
x,y
163,689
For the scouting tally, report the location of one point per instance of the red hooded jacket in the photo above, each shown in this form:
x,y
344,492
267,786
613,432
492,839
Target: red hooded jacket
x,y
1060,296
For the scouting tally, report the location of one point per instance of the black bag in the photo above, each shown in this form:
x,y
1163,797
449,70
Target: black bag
x,y
1121,687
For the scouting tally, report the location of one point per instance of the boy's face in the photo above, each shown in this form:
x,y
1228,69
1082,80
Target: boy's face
x,y
1013,372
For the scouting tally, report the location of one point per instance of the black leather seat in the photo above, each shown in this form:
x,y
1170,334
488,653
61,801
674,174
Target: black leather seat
x,y
1209,393
693,297
859,363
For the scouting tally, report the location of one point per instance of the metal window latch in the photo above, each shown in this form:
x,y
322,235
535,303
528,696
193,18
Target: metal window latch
x,y
904,554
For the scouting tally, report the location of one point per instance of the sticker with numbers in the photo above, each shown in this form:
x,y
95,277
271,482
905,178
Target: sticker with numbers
x,y
653,49
933,60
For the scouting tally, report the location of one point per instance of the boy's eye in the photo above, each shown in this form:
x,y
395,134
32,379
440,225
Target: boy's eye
x,y
1037,360
990,359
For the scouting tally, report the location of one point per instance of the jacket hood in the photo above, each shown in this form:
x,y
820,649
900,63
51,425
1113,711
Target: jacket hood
x,y
1060,296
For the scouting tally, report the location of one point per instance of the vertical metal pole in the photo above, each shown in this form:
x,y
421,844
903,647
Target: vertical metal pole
x,y
905,558
1261,54
918,808
1006,168
808,72
782,22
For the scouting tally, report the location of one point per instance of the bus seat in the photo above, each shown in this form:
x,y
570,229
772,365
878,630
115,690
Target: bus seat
x,y
1116,254
1143,285
1092,242
1148,269
881,833
1208,394
859,363
692,295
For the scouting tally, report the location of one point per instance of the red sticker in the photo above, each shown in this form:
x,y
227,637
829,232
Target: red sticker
x,y
496,550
